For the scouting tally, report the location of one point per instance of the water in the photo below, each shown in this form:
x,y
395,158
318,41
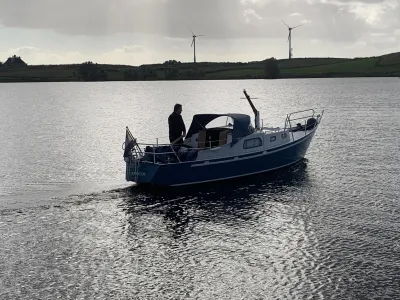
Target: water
x,y
72,228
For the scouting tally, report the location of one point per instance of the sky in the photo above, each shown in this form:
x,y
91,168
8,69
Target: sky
x,y
136,32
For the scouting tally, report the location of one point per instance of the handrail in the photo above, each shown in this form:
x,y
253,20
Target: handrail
x,y
289,118
160,145
300,111
175,153
181,136
262,130
218,157
290,126
189,148
301,118
163,153
137,152
271,129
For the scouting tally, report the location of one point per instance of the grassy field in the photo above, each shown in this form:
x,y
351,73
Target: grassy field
x,y
386,65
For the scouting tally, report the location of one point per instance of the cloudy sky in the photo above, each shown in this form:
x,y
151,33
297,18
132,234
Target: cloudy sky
x,y
150,31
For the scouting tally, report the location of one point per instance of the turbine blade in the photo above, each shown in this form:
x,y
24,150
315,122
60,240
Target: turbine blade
x,y
200,35
192,43
297,26
191,31
285,24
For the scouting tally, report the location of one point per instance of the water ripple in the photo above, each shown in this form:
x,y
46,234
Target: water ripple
x,y
326,228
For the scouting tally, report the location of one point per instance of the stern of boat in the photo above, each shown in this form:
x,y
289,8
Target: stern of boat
x,y
138,170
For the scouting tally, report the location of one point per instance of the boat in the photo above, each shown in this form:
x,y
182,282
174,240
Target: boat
x,y
218,153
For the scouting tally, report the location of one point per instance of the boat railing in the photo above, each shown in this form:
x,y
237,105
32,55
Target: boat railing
x,y
136,155
209,144
268,129
300,117
137,152
174,151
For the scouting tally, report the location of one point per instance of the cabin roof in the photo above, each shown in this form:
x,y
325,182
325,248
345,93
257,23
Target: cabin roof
x,y
241,123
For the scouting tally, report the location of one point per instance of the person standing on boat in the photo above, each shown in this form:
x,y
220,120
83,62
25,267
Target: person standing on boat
x,y
176,125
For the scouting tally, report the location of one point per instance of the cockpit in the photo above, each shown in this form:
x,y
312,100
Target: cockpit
x,y
209,131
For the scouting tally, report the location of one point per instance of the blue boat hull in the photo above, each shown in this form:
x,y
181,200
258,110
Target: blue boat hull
x,y
195,172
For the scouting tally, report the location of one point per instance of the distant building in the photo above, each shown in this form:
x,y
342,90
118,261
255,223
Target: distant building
x,y
15,61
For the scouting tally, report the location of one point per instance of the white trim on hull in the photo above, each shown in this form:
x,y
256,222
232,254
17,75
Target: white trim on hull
x,y
238,176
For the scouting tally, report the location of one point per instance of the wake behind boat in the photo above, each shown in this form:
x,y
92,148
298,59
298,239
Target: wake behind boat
x,y
223,152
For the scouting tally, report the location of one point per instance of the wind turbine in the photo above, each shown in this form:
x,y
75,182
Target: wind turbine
x,y
194,44
290,37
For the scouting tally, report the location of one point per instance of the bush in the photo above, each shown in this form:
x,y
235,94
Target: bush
x,y
91,72
271,68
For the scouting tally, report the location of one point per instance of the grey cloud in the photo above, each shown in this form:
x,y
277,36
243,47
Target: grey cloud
x,y
133,49
360,1
173,18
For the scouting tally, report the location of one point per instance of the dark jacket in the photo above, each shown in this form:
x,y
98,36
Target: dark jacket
x,y
176,126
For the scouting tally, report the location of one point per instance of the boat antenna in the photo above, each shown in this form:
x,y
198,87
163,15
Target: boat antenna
x,y
256,112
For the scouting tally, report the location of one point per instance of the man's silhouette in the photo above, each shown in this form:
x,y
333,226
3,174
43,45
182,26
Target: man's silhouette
x,y
176,125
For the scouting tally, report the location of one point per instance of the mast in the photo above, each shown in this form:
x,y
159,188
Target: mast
x,y
256,112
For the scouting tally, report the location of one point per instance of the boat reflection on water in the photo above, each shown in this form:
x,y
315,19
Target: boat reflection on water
x,y
234,200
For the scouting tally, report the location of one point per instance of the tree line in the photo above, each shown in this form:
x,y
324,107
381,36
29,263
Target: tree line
x,y
169,70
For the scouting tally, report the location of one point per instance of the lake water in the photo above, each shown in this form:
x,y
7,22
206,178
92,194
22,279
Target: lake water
x,y
72,228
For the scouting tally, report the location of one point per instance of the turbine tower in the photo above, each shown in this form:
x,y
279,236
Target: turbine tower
x,y
194,45
290,37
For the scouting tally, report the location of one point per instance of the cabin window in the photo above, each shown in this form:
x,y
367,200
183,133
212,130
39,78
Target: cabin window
x,y
272,139
284,135
252,143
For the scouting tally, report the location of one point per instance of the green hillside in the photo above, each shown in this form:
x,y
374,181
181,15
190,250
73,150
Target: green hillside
x,y
386,65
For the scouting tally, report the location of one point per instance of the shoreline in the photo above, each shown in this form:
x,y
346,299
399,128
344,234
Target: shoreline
x,y
55,80
297,68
